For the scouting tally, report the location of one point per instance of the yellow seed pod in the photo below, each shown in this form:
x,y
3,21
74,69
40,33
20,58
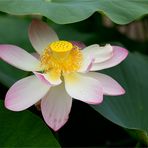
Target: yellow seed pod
x,y
61,46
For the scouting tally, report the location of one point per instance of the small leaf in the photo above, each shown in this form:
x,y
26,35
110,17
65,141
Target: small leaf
x,y
139,135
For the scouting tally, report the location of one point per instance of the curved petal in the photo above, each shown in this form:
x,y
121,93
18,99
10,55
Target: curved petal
x,y
100,54
19,58
24,93
86,64
84,88
55,107
119,54
49,79
110,86
41,35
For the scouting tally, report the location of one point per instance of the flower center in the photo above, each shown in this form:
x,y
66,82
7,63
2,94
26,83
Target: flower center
x,y
61,57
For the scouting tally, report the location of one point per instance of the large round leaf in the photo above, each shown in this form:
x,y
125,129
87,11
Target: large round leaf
x,y
69,11
129,110
24,129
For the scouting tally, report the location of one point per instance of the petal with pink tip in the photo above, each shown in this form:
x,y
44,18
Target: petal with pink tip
x,y
99,53
41,35
24,93
19,58
84,88
55,107
119,54
110,86
48,78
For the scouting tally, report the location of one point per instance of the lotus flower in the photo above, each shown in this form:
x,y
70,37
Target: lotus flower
x,y
62,70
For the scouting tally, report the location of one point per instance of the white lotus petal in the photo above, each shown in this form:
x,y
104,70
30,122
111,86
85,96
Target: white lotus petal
x,y
55,107
41,35
19,58
24,93
109,85
84,88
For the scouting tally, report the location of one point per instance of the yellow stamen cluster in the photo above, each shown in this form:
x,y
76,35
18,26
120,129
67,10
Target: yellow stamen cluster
x,y
61,56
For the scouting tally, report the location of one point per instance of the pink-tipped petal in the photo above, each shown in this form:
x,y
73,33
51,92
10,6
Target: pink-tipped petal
x,y
41,35
100,54
55,107
84,88
47,78
24,93
109,85
19,58
119,54
79,44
